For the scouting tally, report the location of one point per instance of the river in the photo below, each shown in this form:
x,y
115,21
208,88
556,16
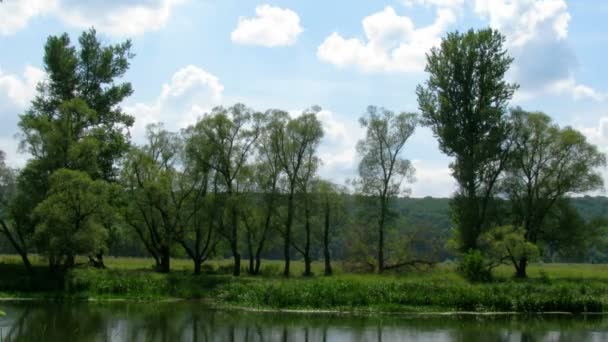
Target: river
x,y
195,321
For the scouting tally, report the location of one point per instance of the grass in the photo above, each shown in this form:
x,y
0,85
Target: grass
x,y
551,287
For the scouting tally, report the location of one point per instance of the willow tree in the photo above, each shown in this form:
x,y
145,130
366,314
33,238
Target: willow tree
x,y
156,193
382,169
292,140
330,198
464,102
547,164
228,136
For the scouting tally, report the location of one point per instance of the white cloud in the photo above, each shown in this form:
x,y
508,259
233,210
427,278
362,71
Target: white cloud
x,y
15,14
432,179
569,86
523,20
438,3
113,17
536,32
338,147
20,90
392,42
271,27
191,92
16,92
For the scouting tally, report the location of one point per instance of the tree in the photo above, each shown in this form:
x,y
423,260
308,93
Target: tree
x,y
75,120
196,232
331,200
464,102
382,170
547,164
229,135
18,234
292,141
157,193
266,176
507,244
72,217
305,195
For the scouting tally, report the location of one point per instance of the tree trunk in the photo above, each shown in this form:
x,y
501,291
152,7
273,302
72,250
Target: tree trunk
x,y
234,244
520,269
381,236
237,264
251,264
165,260
20,248
307,259
197,266
307,264
327,256
258,262
70,261
26,262
287,242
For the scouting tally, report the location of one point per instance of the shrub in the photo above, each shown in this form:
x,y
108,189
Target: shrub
x,y
473,266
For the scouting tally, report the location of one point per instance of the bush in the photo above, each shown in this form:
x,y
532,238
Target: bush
x,y
473,267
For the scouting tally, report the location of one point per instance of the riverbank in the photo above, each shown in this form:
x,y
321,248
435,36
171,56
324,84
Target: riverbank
x,y
440,290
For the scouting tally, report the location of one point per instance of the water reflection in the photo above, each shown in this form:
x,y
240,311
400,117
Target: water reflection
x,y
193,321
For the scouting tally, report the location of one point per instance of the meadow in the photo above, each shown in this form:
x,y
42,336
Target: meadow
x,y
570,288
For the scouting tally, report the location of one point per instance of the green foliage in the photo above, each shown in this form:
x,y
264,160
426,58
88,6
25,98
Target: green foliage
x,y
507,244
548,163
474,266
74,216
464,102
382,169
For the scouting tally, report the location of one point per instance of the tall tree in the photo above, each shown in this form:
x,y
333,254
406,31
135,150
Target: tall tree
x,y
229,135
293,140
382,170
330,197
547,164
260,212
305,193
464,102
157,193
75,120
197,230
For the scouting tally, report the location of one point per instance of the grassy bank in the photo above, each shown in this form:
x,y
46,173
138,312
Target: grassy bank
x,y
569,288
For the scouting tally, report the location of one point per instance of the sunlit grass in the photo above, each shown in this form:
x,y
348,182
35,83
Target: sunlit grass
x,y
550,287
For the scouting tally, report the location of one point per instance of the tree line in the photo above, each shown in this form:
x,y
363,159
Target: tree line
x,y
239,181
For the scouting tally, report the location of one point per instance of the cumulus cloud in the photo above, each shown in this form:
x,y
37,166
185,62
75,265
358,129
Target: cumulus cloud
x,y
15,14
432,179
537,32
16,92
20,90
524,20
392,42
190,93
271,27
338,147
113,17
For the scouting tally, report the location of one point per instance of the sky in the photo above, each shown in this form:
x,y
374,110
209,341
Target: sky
x,y
342,55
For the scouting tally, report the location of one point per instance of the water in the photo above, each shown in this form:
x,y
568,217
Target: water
x,y
194,321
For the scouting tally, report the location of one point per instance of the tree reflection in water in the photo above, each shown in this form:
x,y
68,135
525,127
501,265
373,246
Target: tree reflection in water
x,y
194,321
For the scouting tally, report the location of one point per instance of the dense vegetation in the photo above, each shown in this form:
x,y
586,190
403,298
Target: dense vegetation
x,y
243,183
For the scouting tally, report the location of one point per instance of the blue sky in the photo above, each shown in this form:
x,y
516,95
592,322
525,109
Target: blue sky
x,y
342,55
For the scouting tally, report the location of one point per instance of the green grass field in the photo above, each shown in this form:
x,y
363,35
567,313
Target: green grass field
x,y
550,287
535,271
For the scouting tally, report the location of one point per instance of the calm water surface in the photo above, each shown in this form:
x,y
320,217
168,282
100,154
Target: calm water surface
x,y
193,321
